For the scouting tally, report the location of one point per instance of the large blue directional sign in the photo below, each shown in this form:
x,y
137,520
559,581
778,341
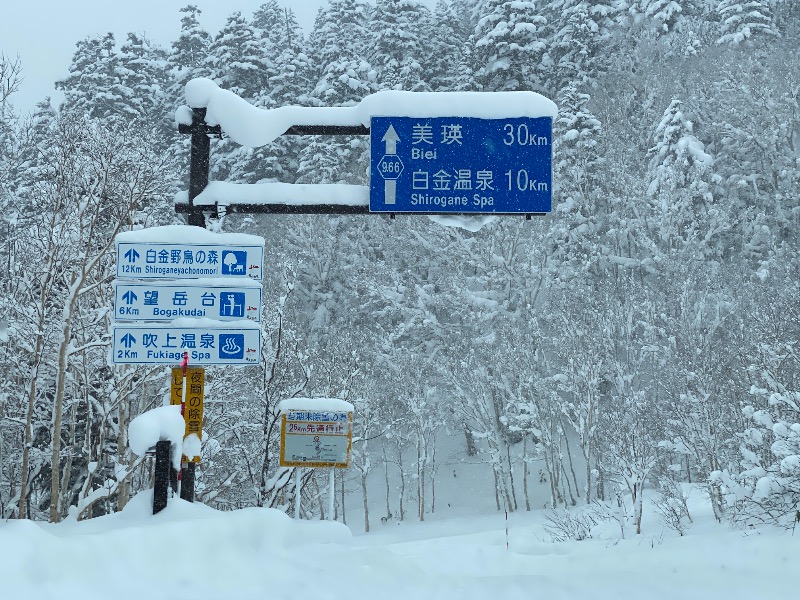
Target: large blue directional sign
x,y
461,165
199,298
164,343
152,260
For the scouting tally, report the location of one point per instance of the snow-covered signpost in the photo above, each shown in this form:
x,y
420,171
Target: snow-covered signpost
x,y
432,153
207,312
450,153
315,433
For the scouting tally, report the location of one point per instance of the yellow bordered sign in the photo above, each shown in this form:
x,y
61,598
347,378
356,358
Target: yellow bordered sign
x,y
316,438
193,411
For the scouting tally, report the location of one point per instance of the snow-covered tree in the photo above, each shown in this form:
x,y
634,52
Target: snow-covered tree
x,y
745,21
682,183
579,195
238,59
189,54
447,60
576,32
766,487
143,78
509,45
397,44
92,87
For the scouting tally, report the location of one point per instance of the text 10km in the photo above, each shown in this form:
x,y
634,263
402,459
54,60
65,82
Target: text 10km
x,y
521,136
519,180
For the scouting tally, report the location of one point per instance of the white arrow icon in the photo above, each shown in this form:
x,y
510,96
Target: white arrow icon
x,y
390,185
391,138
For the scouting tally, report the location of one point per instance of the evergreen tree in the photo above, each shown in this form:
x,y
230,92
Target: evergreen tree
x,y
189,55
337,46
239,62
93,84
580,198
664,14
238,59
509,45
269,18
448,33
292,80
681,184
143,80
576,31
745,21
398,45
287,84
34,156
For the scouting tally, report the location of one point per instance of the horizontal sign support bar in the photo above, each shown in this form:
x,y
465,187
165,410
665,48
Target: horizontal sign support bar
x,y
322,209
278,209
215,130
327,130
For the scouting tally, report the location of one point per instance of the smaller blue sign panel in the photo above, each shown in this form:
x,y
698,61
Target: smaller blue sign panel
x,y
163,344
151,260
461,165
201,298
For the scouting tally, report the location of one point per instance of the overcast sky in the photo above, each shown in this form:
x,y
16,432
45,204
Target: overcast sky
x,y
43,33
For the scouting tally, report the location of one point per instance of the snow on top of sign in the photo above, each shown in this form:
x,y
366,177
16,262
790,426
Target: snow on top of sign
x,y
183,115
161,423
304,194
330,404
207,282
251,126
187,234
192,323
224,193
205,323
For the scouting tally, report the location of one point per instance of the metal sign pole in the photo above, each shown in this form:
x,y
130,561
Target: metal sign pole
x,y
331,492
297,493
187,469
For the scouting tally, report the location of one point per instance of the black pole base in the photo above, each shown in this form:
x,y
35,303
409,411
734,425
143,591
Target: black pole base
x,y
187,482
173,478
162,476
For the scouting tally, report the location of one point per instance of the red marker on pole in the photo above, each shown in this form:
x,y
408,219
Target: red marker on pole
x,y
185,366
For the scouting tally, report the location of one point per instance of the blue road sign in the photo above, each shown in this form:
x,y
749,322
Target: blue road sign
x,y
201,298
163,344
461,165
156,260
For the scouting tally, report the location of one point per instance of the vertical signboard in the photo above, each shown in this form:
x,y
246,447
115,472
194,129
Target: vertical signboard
x,y
193,411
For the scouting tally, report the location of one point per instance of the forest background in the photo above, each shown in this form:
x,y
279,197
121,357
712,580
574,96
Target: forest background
x,y
642,336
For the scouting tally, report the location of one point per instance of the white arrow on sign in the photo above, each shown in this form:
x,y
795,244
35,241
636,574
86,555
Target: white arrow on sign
x,y
390,185
391,138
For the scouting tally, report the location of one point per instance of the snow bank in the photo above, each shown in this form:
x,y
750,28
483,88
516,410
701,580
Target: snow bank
x,y
192,551
252,126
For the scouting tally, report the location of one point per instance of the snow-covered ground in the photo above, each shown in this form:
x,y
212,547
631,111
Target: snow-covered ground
x,y
194,552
